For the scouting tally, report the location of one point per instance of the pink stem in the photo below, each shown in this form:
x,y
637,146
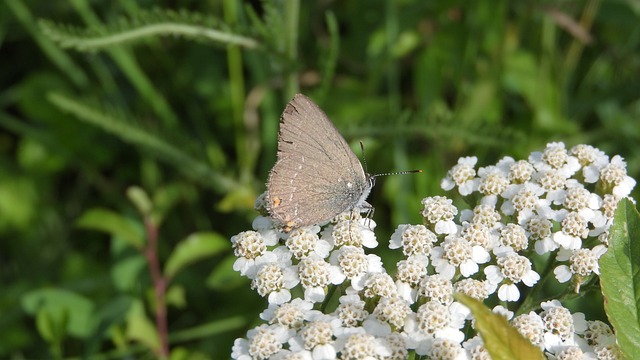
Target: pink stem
x,y
159,286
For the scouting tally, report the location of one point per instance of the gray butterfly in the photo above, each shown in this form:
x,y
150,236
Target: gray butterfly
x,y
316,176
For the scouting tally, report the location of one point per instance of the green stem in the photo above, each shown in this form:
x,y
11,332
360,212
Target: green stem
x,y
532,300
292,17
147,31
237,92
576,47
393,81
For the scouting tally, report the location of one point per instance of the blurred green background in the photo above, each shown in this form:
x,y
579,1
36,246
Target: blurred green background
x,y
90,106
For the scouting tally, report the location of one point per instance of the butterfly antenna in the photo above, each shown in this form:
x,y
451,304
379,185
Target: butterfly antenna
x,y
364,162
364,159
398,173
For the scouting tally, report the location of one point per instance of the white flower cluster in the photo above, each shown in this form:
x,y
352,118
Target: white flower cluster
x,y
329,299
564,335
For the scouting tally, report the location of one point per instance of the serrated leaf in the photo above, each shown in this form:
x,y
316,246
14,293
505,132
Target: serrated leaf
x,y
620,277
58,307
112,223
501,340
196,247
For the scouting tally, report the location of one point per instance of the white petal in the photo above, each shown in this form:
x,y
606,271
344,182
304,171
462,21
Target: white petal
x,y
279,297
446,227
446,270
468,187
507,208
468,268
406,292
447,184
591,174
531,278
480,255
493,274
323,248
324,352
508,292
545,245
314,294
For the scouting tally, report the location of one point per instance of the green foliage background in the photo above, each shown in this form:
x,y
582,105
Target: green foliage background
x,y
191,117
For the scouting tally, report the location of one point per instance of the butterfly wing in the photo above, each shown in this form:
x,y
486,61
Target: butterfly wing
x,y
316,176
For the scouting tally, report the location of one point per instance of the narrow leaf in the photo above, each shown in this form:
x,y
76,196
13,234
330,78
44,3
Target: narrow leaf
x,y
620,278
502,340
112,223
140,199
123,127
196,247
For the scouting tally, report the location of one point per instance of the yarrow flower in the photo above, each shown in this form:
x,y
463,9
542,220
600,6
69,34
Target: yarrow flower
x,y
438,214
274,280
463,176
457,255
330,297
582,263
413,239
262,342
250,247
510,270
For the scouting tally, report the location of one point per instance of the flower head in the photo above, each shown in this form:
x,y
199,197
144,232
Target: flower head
x,y
463,176
438,214
330,297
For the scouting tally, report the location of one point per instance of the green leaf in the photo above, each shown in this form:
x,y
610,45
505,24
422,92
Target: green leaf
x,y
140,199
125,274
140,328
58,309
113,313
167,196
502,340
112,223
117,124
223,277
182,353
176,296
52,324
242,197
18,201
620,277
196,247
